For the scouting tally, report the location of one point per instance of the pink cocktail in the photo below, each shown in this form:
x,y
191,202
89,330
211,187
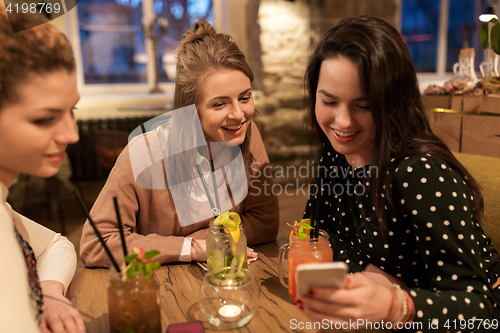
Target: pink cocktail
x,y
303,251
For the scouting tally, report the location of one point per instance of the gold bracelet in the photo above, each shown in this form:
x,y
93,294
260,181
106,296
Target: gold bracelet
x,y
391,309
405,304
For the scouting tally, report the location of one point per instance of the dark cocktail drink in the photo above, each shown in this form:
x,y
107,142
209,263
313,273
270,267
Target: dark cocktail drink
x,y
133,304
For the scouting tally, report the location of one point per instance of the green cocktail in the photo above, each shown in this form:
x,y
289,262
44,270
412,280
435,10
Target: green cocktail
x,y
226,243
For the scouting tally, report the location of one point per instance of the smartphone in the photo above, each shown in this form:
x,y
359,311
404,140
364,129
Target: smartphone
x,y
327,274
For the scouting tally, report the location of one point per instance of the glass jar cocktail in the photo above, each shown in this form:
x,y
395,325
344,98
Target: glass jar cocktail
x,y
226,248
302,251
133,304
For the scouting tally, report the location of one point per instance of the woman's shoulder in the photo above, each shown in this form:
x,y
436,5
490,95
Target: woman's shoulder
x,y
139,162
256,146
144,145
424,167
145,155
424,160
256,135
149,139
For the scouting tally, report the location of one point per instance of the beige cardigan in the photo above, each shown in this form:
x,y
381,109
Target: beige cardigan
x,y
150,220
56,260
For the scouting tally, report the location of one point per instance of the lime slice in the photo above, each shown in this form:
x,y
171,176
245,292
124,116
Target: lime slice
x,y
222,219
232,221
215,260
230,224
235,217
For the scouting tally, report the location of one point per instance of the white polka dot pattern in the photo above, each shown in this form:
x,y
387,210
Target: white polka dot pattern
x,y
432,241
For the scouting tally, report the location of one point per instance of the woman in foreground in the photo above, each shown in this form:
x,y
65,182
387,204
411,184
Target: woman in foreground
x,y
400,210
37,96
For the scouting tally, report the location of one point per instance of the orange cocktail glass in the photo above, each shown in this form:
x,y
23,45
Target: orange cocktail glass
x,y
303,251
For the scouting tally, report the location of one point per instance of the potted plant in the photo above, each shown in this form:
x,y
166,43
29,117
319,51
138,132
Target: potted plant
x,y
491,38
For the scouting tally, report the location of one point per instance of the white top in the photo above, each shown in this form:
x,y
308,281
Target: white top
x,y
56,260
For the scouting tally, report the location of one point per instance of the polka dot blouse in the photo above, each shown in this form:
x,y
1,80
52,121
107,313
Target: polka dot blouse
x,y
433,242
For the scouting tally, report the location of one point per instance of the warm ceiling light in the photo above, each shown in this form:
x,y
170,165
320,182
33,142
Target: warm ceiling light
x,y
490,14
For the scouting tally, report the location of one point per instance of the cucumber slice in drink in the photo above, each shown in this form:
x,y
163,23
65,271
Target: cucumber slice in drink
x,y
215,260
237,262
210,262
218,259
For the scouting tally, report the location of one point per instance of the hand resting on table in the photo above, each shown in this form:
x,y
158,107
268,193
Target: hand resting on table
x,y
59,315
199,251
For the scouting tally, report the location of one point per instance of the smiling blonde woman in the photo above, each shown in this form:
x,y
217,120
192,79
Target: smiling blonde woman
x,y
214,76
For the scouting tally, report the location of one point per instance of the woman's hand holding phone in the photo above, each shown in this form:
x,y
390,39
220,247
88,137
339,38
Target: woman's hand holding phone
x,y
327,275
361,298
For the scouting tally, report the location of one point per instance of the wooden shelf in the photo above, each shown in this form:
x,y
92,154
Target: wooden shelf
x,y
468,131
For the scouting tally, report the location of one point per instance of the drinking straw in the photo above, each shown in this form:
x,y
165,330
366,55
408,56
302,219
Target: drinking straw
x,y
120,226
316,226
313,204
207,191
214,181
86,212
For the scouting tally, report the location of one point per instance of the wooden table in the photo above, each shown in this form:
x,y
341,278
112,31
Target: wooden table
x,y
179,289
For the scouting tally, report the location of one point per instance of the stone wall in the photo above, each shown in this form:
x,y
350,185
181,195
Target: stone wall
x,y
289,31
285,43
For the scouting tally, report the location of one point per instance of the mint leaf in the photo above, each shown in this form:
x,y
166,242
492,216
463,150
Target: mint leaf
x,y
301,233
152,266
129,258
150,254
140,268
132,271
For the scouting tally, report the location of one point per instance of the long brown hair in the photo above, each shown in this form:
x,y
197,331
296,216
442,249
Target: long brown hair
x,y
389,79
203,51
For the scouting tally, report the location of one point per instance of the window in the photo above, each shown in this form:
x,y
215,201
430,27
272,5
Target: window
x,y
113,45
436,31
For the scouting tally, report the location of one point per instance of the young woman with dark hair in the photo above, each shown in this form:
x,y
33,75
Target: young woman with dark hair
x,y
398,206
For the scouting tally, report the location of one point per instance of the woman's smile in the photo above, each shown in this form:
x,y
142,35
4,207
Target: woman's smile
x,y
57,157
225,106
234,129
345,135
